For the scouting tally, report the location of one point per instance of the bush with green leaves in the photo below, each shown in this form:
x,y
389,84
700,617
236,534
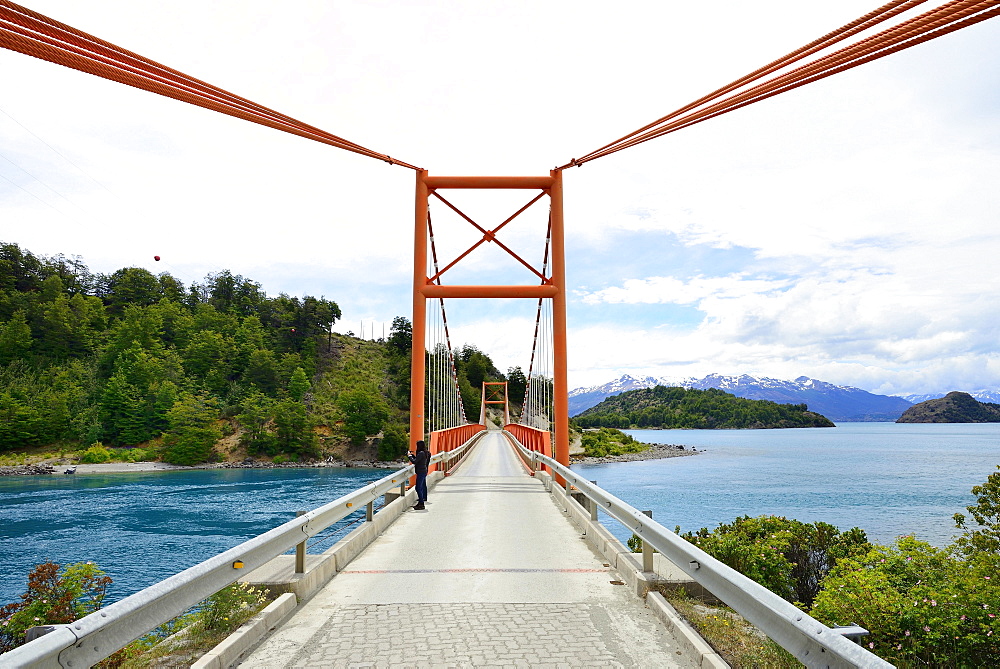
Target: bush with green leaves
x,y
788,557
922,605
609,441
96,454
982,538
55,595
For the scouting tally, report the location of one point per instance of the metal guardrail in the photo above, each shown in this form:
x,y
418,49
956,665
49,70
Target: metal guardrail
x,y
810,641
94,637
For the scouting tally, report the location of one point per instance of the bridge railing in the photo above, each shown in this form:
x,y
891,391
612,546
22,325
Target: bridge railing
x,y
810,641
449,441
92,638
533,439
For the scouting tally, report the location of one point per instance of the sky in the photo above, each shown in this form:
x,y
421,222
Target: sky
x,y
846,231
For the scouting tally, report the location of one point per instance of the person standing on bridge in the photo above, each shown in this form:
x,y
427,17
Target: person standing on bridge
x,y
421,461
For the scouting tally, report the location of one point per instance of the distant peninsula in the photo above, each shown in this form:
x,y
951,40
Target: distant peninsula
x,y
954,407
679,408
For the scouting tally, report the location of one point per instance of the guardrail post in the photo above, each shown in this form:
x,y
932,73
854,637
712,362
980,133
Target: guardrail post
x,y
593,506
647,551
300,551
370,511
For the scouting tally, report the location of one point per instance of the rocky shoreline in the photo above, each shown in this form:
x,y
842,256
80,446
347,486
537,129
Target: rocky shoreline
x,y
654,452
27,470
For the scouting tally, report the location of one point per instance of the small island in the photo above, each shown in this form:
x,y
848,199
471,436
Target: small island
x,y
955,407
680,408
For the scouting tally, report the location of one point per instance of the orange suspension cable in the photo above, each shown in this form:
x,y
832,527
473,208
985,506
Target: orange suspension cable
x,y
38,36
901,37
945,19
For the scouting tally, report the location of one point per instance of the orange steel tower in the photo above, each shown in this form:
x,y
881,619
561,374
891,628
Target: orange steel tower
x,y
551,287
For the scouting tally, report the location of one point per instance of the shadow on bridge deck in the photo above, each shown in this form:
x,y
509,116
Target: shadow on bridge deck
x,y
492,573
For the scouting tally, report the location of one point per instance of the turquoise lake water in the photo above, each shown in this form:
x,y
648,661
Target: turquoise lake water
x,y
886,478
142,527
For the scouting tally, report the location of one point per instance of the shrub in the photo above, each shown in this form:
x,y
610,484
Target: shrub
x,y
96,454
230,607
137,455
55,596
609,441
788,557
922,605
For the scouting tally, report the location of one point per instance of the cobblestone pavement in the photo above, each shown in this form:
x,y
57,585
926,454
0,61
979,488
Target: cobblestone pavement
x,y
472,634
490,575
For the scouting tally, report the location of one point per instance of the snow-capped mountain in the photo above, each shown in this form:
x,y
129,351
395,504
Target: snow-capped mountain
x,y
838,403
989,396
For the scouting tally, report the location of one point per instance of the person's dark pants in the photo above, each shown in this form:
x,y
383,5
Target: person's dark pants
x,y
421,488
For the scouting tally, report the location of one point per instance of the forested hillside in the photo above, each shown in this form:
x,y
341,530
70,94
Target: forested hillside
x,y
194,373
663,407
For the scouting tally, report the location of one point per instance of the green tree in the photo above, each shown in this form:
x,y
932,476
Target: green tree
x,y
170,288
393,444
15,338
516,385
400,339
122,412
256,412
364,413
191,433
132,286
293,429
298,385
57,328
262,371
20,423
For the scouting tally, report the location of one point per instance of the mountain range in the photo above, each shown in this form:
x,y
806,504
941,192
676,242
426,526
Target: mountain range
x,y
838,403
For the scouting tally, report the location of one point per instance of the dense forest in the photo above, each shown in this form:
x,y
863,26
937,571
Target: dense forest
x,y
663,407
135,359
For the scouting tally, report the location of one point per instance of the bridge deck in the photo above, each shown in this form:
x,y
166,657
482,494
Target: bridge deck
x,y
491,574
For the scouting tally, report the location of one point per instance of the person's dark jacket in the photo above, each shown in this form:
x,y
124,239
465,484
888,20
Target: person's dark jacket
x,y
421,460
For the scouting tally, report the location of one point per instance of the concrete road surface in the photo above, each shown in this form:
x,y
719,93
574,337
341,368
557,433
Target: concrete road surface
x,y
492,574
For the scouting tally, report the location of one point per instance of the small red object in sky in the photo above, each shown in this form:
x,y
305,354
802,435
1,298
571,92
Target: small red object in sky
x,y
156,258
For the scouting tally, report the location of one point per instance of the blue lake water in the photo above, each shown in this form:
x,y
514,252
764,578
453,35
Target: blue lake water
x,y
886,478
142,527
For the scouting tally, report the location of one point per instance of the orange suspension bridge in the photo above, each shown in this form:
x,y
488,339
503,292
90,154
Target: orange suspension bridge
x,y
34,34
437,413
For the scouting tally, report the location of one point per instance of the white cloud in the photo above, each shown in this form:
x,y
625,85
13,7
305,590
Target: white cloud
x,y
845,228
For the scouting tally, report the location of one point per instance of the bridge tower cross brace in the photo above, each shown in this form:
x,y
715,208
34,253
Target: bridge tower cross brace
x,y
553,287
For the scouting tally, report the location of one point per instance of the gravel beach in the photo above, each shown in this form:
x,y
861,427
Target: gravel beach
x,y
654,452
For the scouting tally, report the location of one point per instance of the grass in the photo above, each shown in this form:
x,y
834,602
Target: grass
x,y
738,642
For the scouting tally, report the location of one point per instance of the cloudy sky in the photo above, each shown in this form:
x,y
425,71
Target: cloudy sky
x,y
845,231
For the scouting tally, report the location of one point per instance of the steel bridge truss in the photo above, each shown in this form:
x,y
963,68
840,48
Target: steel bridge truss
x,y
551,283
